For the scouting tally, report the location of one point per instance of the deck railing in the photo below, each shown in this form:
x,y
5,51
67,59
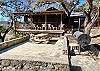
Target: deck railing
x,y
38,27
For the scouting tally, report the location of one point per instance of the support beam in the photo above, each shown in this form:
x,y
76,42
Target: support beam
x,y
45,22
79,23
61,23
13,19
14,23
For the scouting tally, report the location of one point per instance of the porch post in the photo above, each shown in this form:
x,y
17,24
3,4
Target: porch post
x,y
79,23
61,23
14,23
45,22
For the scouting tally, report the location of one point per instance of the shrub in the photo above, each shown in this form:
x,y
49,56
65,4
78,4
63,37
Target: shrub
x,y
2,29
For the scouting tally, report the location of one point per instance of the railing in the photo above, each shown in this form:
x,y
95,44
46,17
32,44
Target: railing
x,y
38,27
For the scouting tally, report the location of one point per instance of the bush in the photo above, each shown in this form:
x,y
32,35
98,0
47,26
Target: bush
x,y
2,29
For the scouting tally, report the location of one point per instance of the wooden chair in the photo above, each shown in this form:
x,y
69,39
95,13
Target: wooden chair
x,y
43,26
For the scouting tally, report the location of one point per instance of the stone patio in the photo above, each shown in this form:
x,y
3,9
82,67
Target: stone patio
x,y
48,53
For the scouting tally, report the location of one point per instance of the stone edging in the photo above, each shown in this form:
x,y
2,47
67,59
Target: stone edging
x,y
13,42
23,65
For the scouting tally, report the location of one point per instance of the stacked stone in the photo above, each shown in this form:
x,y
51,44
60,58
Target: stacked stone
x,y
22,65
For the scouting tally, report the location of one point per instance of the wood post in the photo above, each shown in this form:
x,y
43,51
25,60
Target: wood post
x,y
61,23
45,22
14,23
79,23
69,56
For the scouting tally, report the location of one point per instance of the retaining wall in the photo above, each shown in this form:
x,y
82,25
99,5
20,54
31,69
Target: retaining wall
x,y
13,42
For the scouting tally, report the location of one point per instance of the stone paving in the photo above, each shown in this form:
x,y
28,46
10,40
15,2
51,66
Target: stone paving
x,y
31,51
86,63
50,53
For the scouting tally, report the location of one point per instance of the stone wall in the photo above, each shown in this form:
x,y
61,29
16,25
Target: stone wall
x,y
22,65
13,42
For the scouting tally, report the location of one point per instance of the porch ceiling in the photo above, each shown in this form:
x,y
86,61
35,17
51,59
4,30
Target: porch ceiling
x,y
38,13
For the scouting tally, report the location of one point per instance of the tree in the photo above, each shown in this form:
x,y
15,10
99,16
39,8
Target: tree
x,y
7,30
90,11
80,8
69,9
2,37
8,7
68,12
89,20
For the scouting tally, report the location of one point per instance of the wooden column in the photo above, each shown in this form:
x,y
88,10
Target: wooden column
x,y
79,23
61,23
13,20
14,23
99,11
31,23
45,22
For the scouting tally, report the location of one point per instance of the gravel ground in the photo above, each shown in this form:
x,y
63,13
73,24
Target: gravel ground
x,y
50,53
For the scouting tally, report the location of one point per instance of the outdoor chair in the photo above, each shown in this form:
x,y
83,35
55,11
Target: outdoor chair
x,y
49,26
43,26
58,27
52,27
36,27
33,26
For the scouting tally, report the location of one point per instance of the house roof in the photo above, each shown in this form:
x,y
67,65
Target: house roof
x,y
78,14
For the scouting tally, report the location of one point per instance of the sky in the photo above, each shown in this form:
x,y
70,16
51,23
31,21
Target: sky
x,y
82,1
6,19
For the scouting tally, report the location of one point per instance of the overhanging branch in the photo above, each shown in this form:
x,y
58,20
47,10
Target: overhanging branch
x,y
77,2
66,10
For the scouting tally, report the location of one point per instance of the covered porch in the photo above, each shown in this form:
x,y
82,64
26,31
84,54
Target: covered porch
x,y
41,22
50,21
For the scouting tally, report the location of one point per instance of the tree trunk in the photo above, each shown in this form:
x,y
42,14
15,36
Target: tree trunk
x,y
2,38
90,25
87,22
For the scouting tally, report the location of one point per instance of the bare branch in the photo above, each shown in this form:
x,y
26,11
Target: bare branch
x,y
66,10
90,2
77,2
